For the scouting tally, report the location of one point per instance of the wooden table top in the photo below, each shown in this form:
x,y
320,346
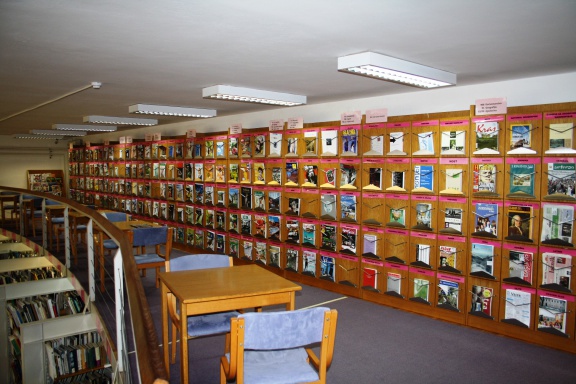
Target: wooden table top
x,y
224,283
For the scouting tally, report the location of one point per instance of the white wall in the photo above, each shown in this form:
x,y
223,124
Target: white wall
x,y
15,164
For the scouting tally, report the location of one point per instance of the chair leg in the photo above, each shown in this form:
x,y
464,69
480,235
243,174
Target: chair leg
x,y
173,346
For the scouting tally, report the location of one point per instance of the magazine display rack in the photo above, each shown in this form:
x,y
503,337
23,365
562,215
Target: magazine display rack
x,y
452,183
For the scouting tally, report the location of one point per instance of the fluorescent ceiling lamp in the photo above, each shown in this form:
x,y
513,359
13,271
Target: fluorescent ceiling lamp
x,y
41,137
84,127
248,95
388,68
54,132
166,110
119,120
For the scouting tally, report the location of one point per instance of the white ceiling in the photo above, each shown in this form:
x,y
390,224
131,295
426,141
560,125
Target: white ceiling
x,y
165,52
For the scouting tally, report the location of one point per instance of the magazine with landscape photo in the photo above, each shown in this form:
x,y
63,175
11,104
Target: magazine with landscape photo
x,y
487,138
561,179
552,313
448,293
453,142
482,259
521,138
522,179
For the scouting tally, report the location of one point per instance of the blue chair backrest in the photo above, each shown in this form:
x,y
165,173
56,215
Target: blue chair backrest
x,y
115,217
149,236
52,202
36,201
200,261
284,329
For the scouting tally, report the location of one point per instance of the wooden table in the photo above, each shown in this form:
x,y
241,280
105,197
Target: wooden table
x,y
216,290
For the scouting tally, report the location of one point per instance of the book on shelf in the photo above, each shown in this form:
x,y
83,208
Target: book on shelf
x,y
448,256
274,199
275,144
481,299
232,147
259,145
370,245
425,143
291,173
519,222
561,179
309,263
520,137
453,180
220,173
309,234
327,270
328,206
486,219
396,143
310,175
349,142
246,224
453,142
293,206
484,179
487,138
274,229
246,194
310,143
423,253
424,216
259,200
292,260
376,146
348,207
259,173
261,252
522,179
421,289
520,266
349,240
370,278
552,313
482,260
292,231
234,174
561,137
260,229
557,223
348,175
453,219
448,293
556,270
329,142
517,308
328,237
424,177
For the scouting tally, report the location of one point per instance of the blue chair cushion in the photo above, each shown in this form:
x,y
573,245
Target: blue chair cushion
x,y
115,217
81,227
149,236
199,261
38,213
109,244
57,220
214,323
147,258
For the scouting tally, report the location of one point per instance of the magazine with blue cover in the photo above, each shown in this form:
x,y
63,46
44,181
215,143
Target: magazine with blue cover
x,y
424,177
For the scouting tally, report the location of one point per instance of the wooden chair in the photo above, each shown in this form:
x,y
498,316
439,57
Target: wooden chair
x,y
106,245
201,325
152,237
275,347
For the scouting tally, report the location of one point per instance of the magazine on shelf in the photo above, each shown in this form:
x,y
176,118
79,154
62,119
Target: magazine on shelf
x,y
260,250
232,147
349,240
423,253
348,174
310,175
310,143
327,270
376,146
448,293
484,178
293,206
190,236
349,142
448,256
189,214
481,299
209,172
424,216
220,173
328,206
259,145
259,173
348,207
234,245
393,282
210,240
486,218
292,231
370,278
274,199
552,313
421,289
246,173
561,138
221,220
220,149
453,219
453,180
248,249
246,195
292,147
209,149
246,223
519,222
234,174
453,142
309,234
556,269
398,216
520,138
370,245
309,263
375,177
329,177
221,198
487,138
233,222
199,171
425,143
292,260
329,143
291,173
520,266
424,177
209,215
260,228
199,216
197,150
274,229
557,223
220,243
522,179
199,193
274,252
246,144
259,200
396,143
398,180
276,176
562,179
275,144
482,259
209,195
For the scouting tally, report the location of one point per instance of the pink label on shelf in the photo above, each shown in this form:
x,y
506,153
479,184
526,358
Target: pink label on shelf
x,y
425,161
350,161
349,193
330,128
349,226
311,130
293,132
346,127
373,230
560,115
372,195
396,196
327,253
426,123
293,190
454,122
563,204
402,232
571,252
306,161
566,160
399,267
459,239
347,257
376,115
523,203
421,271
487,160
398,160
531,291
444,276
495,244
522,160
310,221
533,116
329,161
424,197
458,200
374,126
311,191
423,235
499,203
487,119
454,160
556,295
518,247
398,125
373,262
373,161
273,161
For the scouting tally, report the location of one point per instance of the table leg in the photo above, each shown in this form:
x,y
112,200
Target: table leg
x,y
163,298
183,343
292,303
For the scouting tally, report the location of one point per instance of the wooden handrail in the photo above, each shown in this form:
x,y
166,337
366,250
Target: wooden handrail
x,y
150,359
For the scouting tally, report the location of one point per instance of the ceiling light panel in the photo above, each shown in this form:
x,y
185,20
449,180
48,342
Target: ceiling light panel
x,y
84,127
249,95
39,137
388,68
119,120
54,132
166,110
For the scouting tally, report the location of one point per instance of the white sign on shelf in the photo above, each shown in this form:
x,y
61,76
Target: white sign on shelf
x,y
157,136
236,129
493,106
351,118
376,115
191,133
295,122
276,125
148,137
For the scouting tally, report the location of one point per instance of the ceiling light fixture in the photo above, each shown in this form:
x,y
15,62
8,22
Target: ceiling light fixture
x,y
84,127
54,132
40,137
248,95
119,120
165,110
388,68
